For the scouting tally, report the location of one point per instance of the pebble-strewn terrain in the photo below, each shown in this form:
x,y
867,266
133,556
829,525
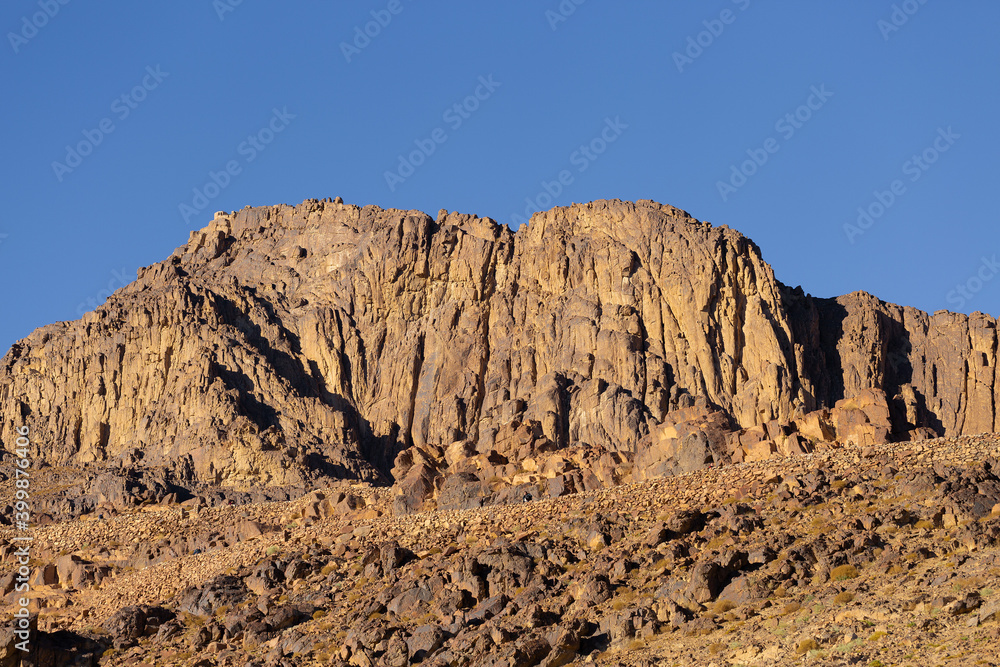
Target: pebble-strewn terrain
x,y
879,555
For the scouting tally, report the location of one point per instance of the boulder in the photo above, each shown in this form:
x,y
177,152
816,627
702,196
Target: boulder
x,y
130,623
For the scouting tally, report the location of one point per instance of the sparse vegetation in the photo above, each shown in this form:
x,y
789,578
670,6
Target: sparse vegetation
x,y
624,599
790,608
722,606
805,646
843,573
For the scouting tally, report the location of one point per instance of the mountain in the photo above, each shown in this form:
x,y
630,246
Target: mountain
x,y
285,346
326,434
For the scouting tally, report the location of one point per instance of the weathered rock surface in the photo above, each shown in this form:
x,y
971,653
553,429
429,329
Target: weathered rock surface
x,y
603,342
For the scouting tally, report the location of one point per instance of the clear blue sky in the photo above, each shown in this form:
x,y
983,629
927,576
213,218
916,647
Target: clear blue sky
x,y
198,81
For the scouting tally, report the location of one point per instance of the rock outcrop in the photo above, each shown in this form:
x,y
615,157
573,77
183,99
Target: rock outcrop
x,y
604,341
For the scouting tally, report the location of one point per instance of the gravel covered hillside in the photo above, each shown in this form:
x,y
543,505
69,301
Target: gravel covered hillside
x,y
886,554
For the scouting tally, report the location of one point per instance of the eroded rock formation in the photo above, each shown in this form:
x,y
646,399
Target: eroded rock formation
x,y
603,341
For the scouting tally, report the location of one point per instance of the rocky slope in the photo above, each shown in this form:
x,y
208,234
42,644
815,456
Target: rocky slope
x,y
602,343
884,555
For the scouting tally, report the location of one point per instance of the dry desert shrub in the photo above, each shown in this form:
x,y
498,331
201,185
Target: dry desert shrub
x,y
791,608
844,597
843,572
722,606
806,645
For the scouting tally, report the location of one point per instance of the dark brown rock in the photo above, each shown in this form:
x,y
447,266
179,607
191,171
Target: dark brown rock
x,y
425,640
130,623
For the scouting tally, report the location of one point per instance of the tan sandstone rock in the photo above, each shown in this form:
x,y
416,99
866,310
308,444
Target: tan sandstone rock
x,y
286,344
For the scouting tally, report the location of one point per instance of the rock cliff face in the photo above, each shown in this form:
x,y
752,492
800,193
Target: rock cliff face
x,y
602,341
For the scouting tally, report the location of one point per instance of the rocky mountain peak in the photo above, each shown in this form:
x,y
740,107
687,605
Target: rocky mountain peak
x,y
602,342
